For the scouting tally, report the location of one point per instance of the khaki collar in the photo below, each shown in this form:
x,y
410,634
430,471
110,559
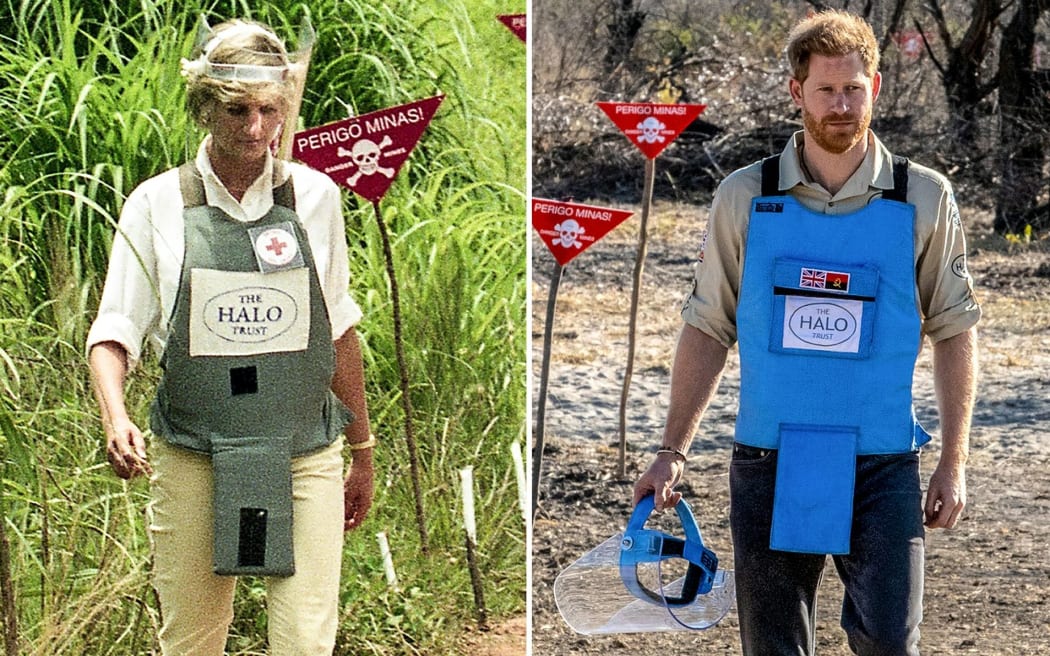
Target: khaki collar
x,y
876,171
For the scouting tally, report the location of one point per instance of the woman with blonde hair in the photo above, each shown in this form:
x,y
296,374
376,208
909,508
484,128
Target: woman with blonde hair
x,y
234,267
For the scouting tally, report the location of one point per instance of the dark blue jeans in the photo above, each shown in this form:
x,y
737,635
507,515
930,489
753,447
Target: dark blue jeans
x,y
883,573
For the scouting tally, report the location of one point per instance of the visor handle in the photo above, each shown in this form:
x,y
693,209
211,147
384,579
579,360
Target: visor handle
x,y
640,545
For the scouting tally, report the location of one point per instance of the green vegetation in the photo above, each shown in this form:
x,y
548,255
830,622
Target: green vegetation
x,y
91,104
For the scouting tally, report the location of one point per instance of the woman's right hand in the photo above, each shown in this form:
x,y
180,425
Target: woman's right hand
x,y
126,449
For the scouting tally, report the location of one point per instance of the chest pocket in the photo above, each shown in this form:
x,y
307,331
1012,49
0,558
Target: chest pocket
x,y
823,309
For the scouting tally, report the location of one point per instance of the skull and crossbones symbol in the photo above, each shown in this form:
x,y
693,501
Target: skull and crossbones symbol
x,y
365,154
569,232
651,128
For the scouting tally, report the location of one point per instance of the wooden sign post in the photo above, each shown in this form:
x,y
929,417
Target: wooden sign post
x,y
365,154
567,229
651,127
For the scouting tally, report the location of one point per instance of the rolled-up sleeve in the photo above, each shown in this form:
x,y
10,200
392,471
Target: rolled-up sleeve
x,y
946,293
130,305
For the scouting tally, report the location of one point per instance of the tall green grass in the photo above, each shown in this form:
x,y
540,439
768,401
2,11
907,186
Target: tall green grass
x,y
91,104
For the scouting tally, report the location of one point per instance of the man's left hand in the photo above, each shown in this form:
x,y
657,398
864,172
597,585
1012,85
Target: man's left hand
x,y
945,496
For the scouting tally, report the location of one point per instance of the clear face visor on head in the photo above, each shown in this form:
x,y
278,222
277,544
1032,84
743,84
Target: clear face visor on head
x,y
643,580
277,71
295,67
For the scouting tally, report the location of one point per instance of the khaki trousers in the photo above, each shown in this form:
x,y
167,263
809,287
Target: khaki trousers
x,y
197,605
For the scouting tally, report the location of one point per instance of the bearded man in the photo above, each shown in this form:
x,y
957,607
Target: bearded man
x,y
829,263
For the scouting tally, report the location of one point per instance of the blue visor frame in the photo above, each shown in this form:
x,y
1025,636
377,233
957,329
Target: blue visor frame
x,y
641,545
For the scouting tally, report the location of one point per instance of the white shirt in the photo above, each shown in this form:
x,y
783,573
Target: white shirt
x,y
146,261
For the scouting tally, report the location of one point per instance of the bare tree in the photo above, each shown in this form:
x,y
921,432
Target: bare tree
x,y
625,23
728,55
961,70
1023,113
568,34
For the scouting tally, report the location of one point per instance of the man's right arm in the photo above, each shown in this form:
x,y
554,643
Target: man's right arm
x,y
709,330
698,363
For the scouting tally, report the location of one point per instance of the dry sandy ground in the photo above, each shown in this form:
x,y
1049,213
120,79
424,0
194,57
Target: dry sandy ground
x,y
987,580
504,639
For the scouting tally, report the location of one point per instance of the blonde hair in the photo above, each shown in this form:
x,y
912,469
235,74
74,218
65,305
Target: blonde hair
x,y
831,33
242,43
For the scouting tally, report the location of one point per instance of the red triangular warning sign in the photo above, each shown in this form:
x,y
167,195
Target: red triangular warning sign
x,y
515,23
568,229
651,126
366,152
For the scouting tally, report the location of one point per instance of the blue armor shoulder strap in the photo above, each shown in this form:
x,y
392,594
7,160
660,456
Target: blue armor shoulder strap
x,y
899,193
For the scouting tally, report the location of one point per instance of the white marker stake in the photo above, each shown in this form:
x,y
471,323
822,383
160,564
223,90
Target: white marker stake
x,y
388,561
466,476
519,472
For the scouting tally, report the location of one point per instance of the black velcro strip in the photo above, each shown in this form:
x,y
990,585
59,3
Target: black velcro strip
x,y
243,380
251,546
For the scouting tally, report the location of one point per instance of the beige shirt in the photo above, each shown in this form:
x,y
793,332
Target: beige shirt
x,y
146,261
945,295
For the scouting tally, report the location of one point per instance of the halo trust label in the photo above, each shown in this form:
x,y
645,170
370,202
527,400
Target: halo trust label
x,y
248,313
822,324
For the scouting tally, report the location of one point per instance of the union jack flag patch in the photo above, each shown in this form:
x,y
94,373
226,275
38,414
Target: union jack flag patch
x,y
835,281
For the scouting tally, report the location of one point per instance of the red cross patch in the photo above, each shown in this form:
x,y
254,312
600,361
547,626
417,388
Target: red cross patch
x,y
276,246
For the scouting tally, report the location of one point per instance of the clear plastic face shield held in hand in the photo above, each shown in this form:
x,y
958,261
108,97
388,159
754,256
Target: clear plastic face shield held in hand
x,y
643,580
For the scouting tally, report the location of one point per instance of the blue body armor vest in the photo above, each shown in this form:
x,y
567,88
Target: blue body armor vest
x,y
828,321
829,330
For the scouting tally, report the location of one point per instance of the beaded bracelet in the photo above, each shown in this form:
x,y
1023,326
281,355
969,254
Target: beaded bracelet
x,y
366,444
676,452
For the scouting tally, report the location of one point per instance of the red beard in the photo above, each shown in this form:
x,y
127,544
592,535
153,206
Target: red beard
x,y
836,139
